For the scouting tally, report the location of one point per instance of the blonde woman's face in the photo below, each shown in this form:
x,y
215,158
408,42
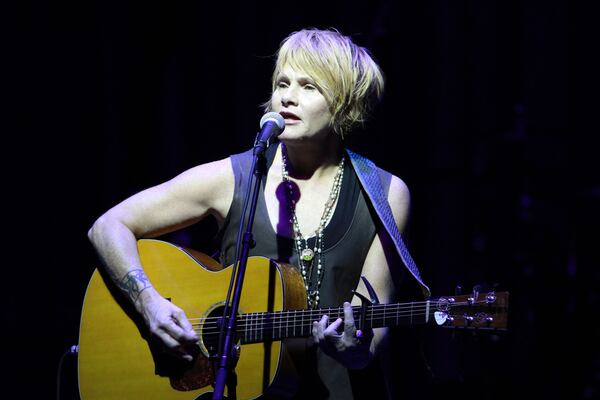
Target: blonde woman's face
x,y
302,105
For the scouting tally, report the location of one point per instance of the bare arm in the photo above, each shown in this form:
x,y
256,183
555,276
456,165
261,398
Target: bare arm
x,y
189,197
376,268
348,349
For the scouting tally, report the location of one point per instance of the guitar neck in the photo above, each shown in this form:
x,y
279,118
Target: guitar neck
x,y
481,311
259,327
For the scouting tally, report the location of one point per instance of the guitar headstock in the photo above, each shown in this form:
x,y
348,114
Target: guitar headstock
x,y
474,311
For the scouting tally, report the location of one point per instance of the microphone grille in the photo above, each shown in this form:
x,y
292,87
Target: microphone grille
x,y
273,116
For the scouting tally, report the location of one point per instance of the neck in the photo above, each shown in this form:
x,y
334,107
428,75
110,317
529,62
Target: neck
x,y
306,160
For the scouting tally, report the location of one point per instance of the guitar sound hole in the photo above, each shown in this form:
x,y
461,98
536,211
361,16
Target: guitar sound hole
x,y
211,328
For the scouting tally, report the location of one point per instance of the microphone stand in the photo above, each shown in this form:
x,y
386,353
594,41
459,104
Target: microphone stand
x,y
228,324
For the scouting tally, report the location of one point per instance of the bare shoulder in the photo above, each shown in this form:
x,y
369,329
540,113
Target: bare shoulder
x,y
399,199
207,174
192,195
399,192
210,184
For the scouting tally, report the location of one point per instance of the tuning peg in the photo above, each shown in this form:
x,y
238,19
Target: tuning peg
x,y
458,290
475,295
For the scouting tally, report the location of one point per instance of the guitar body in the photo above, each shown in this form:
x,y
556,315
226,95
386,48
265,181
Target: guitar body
x,y
117,360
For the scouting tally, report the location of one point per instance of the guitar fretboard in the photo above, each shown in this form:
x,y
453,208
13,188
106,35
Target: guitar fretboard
x,y
259,327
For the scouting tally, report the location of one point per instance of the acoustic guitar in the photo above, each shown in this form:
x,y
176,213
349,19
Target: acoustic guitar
x,y
118,360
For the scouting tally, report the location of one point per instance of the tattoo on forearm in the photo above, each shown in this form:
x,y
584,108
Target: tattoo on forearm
x,y
134,283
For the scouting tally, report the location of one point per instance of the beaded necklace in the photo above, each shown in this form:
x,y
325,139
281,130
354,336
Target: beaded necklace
x,y
306,255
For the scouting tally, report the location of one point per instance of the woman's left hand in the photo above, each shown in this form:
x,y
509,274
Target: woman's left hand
x,y
352,348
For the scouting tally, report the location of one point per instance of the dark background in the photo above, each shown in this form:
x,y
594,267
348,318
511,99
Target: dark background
x,y
108,98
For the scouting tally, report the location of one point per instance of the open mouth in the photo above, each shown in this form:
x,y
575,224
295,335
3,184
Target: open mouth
x,y
290,116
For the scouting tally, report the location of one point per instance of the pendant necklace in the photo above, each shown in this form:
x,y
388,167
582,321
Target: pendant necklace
x,y
306,255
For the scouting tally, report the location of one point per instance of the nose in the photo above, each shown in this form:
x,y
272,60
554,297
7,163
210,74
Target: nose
x,y
289,97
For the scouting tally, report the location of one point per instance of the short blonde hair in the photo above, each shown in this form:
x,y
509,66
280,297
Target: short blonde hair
x,y
345,73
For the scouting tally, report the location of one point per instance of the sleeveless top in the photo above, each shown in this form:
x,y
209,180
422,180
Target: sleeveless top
x,y
346,241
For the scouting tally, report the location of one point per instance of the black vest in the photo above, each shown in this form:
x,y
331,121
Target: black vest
x,y
347,239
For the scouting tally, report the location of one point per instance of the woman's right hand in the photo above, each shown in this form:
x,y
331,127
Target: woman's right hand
x,y
167,323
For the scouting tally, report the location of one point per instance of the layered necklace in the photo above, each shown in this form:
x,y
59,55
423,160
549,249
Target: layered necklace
x,y
306,255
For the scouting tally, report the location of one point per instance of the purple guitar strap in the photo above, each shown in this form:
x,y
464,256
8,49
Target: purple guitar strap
x,y
368,175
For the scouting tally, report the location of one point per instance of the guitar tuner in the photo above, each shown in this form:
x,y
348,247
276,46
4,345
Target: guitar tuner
x,y
442,304
476,290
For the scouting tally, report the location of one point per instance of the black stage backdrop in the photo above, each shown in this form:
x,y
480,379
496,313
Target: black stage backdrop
x,y
108,98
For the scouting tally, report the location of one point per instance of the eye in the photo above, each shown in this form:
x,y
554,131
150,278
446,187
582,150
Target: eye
x,y
282,84
310,86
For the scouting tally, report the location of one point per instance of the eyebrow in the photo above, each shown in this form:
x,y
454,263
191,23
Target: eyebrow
x,y
300,78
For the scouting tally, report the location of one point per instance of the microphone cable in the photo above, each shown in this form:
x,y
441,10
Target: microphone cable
x,y
73,350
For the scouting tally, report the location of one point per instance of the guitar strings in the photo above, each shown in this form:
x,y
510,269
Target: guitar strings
x,y
261,321
319,312
376,311
294,324
256,318
256,323
275,331
307,316
256,332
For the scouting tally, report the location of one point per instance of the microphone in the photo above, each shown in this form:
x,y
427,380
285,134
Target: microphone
x,y
271,125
